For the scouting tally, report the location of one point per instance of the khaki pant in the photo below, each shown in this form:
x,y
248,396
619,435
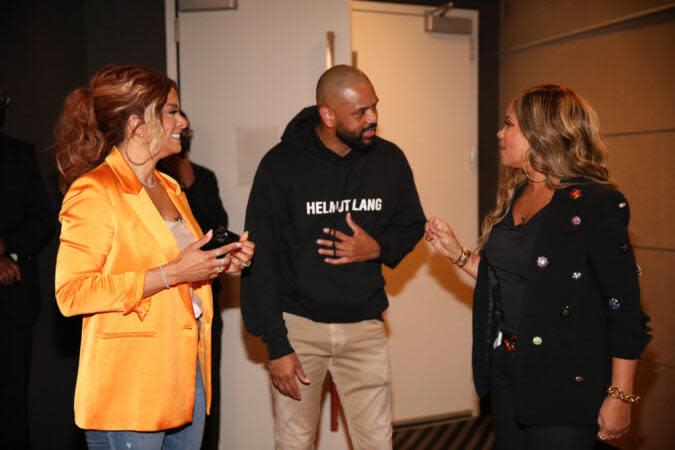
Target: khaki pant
x,y
358,358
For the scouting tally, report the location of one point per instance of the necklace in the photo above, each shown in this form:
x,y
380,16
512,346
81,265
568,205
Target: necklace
x,y
151,185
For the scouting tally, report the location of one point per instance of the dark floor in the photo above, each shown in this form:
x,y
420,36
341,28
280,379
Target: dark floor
x,y
456,434
473,433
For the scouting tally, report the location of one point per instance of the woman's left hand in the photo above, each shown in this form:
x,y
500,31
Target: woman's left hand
x,y
613,419
238,259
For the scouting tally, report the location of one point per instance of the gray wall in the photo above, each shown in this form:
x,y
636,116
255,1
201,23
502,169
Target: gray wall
x,y
626,72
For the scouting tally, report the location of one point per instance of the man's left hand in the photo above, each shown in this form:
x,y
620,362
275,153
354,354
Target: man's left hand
x,y
9,271
348,249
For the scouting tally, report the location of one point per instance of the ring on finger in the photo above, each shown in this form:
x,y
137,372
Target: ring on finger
x,y
246,264
220,268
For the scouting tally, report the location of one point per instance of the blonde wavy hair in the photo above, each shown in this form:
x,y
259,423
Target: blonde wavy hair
x,y
94,118
564,136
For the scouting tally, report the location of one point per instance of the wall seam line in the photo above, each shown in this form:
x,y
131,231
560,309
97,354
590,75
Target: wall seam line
x,y
658,249
587,29
639,132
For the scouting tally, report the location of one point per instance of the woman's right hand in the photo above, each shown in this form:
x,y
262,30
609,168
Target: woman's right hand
x,y
194,264
443,239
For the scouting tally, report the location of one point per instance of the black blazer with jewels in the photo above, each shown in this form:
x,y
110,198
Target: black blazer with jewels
x,y
581,308
27,221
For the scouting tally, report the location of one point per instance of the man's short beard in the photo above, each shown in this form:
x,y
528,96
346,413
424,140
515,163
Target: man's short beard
x,y
355,140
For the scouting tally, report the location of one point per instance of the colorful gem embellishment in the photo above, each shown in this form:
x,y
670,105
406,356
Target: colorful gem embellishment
x,y
622,205
638,270
625,247
614,303
576,275
542,262
576,221
575,194
510,341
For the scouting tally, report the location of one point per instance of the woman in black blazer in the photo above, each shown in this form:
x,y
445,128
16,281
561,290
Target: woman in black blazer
x,y
557,322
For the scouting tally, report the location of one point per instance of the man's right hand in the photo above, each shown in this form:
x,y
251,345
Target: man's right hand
x,y
283,372
9,271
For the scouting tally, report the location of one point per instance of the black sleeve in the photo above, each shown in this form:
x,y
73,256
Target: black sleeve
x,y
613,264
204,199
38,221
407,225
260,286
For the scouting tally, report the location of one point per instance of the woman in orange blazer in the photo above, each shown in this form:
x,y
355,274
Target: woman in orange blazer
x,y
130,262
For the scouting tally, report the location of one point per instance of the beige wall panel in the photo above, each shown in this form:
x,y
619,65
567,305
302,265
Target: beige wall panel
x,y
524,21
628,74
643,166
653,418
656,287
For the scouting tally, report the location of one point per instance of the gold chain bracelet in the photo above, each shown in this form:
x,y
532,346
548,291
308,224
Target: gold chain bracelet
x,y
618,394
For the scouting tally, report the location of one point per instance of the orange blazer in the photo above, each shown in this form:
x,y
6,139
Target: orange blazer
x,y
138,356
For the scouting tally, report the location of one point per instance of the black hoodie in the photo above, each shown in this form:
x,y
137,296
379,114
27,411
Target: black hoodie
x,y
300,188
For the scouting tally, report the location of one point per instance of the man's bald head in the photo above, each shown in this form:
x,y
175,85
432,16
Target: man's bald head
x,y
333,82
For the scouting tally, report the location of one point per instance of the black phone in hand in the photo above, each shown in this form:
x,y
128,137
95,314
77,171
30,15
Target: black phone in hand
x,y
221,236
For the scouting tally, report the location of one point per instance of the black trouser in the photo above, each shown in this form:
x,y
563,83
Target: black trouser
x,y
15,349
511,435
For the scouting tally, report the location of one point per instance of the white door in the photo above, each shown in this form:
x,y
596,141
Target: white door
x,y
427,86
244,73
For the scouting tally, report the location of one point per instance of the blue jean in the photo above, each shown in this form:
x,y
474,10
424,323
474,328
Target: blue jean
x,y
187,437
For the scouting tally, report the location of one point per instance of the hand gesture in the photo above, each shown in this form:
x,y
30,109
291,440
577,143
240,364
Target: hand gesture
x,y
443,239
9,271
240,256
613,419
283,372
346,249
193,264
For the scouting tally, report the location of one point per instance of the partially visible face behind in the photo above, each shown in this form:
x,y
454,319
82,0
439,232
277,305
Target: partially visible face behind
x,y
173,123
512,142
356,116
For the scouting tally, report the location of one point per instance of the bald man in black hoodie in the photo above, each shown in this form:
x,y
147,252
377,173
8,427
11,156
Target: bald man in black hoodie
x,y
329,205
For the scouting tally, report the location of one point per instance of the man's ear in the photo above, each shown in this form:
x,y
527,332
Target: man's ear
x,y
136,127
327,116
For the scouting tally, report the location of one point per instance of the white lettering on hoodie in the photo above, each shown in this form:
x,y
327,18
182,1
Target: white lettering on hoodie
x,y
343,206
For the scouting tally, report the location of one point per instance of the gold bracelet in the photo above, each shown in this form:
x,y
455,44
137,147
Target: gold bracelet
x,y
618,394
463,262
461,255
463,258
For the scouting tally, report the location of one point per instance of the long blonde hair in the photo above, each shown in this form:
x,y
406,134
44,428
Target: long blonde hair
x,y
564,136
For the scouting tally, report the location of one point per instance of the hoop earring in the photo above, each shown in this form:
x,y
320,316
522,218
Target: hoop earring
x,y
136,163
527,175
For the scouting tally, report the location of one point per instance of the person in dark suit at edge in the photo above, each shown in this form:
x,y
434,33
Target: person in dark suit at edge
x,y
27,221
201,188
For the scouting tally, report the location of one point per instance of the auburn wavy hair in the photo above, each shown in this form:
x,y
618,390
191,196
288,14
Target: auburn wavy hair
x,y
94,118
564,136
